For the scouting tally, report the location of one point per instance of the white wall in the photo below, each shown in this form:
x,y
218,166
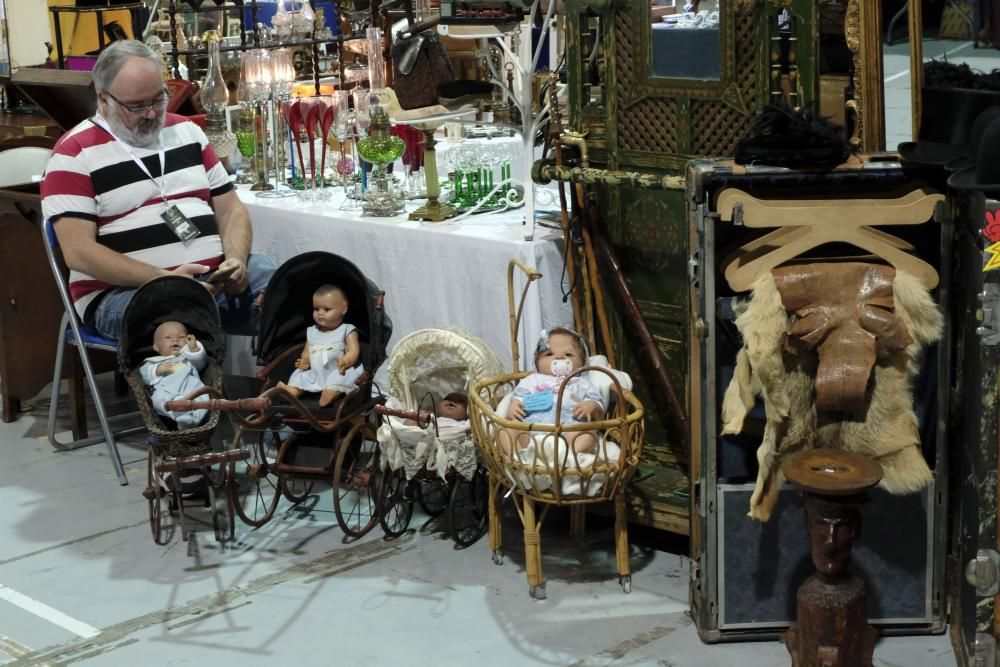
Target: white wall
x,y
28,30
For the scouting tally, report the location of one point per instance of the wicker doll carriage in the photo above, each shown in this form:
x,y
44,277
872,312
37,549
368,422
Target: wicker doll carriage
x,y
174,450
547,472
434,463
298,442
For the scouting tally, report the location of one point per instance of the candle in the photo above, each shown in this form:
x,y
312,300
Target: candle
x,y
291,151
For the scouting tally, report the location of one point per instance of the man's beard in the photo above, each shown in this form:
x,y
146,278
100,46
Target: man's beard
x,y
145,134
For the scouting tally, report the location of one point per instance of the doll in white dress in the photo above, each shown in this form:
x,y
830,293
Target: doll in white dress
x,y
175,371
330,359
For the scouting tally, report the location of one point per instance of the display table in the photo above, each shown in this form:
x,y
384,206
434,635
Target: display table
x,y
432,274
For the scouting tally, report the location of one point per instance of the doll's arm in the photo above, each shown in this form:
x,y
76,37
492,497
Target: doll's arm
x,y
195,353
352,354
302,363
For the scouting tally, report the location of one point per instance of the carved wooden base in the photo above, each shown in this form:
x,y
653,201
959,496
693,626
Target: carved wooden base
x,y
831,628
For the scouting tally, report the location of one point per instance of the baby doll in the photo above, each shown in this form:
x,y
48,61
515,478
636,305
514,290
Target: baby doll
x,y
559,352
174,372
329,361
454,406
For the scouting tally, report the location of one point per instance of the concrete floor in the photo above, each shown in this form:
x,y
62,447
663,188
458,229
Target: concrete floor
x,y
81,581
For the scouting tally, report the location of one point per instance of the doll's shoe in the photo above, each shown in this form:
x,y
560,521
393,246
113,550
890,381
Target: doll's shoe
x,y
328,396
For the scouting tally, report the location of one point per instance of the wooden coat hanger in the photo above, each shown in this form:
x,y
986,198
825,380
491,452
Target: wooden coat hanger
x,y
808,223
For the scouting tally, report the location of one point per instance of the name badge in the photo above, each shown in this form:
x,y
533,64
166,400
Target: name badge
x,y
540,401
180,224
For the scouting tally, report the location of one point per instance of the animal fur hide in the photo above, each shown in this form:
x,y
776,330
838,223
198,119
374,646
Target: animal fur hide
x,y
885,428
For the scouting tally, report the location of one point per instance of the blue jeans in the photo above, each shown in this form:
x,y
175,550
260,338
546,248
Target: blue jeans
x,y
239,313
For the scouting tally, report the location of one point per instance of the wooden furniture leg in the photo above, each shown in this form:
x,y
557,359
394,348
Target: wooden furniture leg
x,y
77,405
532,549
621,543
577,522
11,406
496,528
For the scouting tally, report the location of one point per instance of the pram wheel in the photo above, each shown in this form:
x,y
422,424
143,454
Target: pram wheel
x,y
394,508
253,485
354,481
161,522
433,496
467,509
296,489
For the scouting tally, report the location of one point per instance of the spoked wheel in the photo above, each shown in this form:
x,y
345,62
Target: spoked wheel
x,y
433,496
253,483
161,522
467,509
394,508
296,489
223,513
354,481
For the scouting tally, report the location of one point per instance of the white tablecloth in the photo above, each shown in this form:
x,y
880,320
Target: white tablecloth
x,y
432,274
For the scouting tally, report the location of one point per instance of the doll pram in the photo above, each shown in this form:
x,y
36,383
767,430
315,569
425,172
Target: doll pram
x,y
298,442
435,464
549,472
173,450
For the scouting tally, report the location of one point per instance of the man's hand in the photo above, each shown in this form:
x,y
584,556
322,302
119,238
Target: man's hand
x,y
192,343
588,411
238,281
516,410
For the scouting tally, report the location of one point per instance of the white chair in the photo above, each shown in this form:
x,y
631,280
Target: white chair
x,y
22,163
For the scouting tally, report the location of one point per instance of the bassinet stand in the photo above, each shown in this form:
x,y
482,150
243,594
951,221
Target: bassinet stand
x,y
625,427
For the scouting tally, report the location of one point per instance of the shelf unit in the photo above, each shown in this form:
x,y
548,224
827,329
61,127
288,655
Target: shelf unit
x,y
515,41
312,42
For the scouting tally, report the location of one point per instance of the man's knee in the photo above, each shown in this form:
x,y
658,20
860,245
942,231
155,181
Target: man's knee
x,y
259,271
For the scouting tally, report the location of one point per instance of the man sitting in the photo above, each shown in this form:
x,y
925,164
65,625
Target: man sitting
x,y
135,193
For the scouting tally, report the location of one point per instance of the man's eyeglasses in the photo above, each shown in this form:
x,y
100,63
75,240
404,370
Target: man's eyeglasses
x,y
157,104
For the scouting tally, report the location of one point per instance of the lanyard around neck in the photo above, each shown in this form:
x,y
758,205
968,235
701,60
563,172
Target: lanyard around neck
x,y
128,148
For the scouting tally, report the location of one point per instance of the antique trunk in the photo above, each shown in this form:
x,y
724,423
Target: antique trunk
x,y
746,572
975,428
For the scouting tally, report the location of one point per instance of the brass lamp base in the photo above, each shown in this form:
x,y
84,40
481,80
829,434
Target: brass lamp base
x,y
261,186
434,211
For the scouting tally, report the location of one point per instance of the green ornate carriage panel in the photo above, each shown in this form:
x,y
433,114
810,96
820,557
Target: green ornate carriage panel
x,y
636,121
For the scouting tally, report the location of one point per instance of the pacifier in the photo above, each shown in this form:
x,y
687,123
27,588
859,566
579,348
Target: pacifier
x,y
562,367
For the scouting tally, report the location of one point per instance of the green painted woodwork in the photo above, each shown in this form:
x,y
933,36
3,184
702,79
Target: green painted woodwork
x,y
636,121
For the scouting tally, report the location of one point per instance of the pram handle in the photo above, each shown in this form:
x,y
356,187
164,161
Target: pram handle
x,y
403,414
259,404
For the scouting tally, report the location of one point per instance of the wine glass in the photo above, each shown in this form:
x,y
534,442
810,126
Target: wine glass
x,y
246,141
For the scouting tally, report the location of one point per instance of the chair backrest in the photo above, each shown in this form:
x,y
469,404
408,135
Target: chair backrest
x,y
19,165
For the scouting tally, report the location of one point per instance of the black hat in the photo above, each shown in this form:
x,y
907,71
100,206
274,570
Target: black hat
x,y
985,176
946,119
968,159
792,138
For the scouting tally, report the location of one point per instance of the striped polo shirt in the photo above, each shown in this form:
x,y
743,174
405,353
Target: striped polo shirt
x,y
90,175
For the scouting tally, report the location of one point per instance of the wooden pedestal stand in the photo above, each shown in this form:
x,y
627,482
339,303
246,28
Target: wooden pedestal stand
x,y
831,627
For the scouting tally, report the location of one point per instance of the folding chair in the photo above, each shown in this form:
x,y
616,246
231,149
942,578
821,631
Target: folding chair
x,y
75,333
